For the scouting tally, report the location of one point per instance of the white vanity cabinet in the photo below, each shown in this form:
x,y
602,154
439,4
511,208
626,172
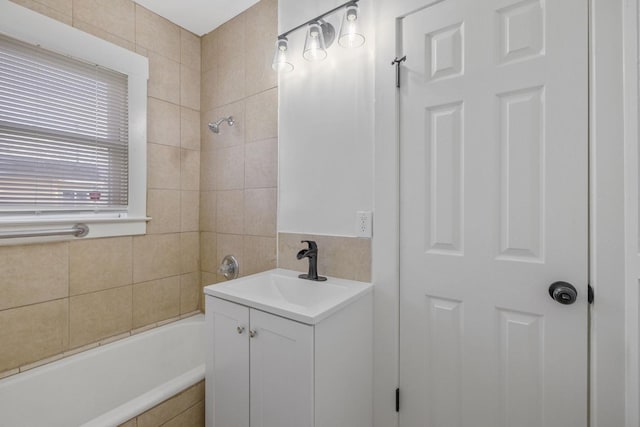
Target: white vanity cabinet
x,y
261,365
267,370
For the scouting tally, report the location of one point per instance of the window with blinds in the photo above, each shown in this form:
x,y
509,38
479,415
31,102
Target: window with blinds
x,y
64,143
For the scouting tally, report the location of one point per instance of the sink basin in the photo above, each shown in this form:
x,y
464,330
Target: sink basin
x,y
281,292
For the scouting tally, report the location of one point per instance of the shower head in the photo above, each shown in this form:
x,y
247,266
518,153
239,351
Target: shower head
x,y
215,127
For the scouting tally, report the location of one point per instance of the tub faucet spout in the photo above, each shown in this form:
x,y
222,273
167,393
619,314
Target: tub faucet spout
x,y
312,253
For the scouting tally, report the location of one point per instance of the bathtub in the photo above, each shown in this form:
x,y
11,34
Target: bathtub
x,y
109,384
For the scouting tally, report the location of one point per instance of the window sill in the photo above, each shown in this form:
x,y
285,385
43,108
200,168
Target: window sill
x,y
98,227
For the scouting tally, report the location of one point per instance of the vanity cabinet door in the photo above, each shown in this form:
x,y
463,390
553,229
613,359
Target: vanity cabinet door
x,y
281,372
227,377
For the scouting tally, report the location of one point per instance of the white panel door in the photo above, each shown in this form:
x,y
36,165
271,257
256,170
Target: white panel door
x,y
281,372
227,379
493,210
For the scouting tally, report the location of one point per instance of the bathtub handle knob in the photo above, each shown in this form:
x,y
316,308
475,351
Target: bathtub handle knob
x,y
252,333
240,329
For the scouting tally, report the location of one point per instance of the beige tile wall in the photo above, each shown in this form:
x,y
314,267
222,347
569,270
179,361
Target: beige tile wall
x,y
344,257
238,176
186,409
60,297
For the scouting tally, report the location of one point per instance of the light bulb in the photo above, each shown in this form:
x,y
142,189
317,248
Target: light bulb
x,y
280,60
314,46
350,34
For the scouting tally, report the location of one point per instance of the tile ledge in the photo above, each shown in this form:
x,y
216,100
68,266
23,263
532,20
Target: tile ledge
x,y
9,373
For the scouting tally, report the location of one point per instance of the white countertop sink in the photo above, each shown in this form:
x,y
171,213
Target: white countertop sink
x,y
281,292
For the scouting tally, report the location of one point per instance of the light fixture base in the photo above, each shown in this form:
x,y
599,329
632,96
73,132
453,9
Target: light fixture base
x,y
328,31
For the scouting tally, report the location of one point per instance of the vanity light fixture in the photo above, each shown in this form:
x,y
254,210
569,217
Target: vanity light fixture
x,y
320,36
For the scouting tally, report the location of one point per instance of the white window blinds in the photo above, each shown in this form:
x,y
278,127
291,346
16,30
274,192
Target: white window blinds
x,y
63,132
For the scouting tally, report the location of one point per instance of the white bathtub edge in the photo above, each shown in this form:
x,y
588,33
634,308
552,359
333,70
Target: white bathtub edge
x,y
148,400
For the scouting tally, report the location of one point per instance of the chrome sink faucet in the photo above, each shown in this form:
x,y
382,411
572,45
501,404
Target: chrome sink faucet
x,y
312,253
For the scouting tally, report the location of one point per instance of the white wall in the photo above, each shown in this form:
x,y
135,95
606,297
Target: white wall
x,y
325,127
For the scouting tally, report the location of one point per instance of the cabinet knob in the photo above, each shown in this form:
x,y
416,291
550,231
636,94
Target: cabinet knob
x,y
240,329
252,333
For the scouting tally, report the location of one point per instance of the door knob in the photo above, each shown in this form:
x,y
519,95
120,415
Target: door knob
x,y
252,333
563,292
240,329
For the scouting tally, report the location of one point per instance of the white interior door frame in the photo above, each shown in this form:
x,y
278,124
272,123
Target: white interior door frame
x,y
386,248
631,54
610,403
613,143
